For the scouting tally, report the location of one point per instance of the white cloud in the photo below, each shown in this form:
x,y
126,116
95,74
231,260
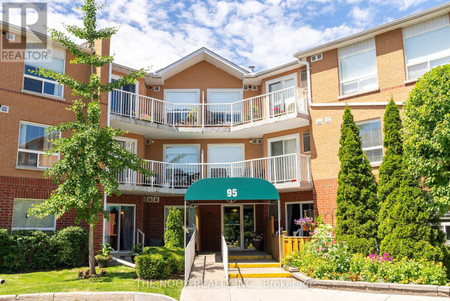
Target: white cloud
x,y
264,33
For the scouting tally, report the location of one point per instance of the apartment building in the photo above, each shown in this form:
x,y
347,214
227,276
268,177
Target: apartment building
x,y
205,117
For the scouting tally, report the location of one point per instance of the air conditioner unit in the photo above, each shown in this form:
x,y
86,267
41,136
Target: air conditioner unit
x,y
256,141
10,36
316,57
148,141
4,109
157,89
254,88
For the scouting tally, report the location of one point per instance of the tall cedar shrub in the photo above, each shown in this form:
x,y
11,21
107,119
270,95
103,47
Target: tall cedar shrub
x,y
414,231
390,172
357,204
174,236
427,134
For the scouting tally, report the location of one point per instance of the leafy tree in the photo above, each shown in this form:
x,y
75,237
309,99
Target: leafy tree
x,y
90,156
413,231
427,133
390,172
174,236
357,204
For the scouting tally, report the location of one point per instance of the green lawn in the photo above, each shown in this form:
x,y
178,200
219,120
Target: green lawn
x,y
118,278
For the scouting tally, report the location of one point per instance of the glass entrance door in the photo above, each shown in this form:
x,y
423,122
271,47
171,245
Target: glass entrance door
x,y
238,225
120,229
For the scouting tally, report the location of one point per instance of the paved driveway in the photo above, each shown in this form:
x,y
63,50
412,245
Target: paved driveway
x,y
283,290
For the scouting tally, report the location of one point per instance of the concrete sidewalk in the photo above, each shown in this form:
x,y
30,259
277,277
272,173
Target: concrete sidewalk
x,y
284,290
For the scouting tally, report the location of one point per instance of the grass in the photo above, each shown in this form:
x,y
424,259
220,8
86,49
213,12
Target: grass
x,y
118,278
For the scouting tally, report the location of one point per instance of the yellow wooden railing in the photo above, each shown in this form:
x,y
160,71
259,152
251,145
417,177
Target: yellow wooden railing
x,y
292,244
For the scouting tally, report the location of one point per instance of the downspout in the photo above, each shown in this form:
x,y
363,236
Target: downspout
x,y
108,123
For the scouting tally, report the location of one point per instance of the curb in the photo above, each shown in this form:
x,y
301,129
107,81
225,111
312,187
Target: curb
x,y
88,296
413,289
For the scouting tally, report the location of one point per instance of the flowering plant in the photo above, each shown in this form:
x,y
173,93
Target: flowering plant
x,y
304,221
385,257
278,110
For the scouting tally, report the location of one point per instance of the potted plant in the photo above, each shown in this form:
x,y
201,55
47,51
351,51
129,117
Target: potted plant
x,y
104,255
257,240
306,223
137,250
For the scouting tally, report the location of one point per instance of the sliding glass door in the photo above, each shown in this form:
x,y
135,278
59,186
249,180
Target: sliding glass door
x,y
120,229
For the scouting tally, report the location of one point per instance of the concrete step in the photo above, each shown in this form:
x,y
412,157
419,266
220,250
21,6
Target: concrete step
x,y
249,257
269,272
255,264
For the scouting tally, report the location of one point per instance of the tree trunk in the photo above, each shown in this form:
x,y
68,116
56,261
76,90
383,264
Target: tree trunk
x,y
91,251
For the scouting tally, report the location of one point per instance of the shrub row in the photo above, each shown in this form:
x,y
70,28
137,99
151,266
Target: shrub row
x,y
159,262
25,250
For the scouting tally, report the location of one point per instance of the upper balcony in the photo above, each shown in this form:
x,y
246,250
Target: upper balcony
x,y
291,172
251,117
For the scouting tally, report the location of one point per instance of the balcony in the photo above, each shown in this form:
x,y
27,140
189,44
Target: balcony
x,y
251,117
290,172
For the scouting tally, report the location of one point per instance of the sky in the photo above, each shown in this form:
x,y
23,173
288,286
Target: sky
x,y
154,34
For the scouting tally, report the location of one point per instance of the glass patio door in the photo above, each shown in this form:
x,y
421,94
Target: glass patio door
x,y
120,229
282,168
127,176
282,102
238,225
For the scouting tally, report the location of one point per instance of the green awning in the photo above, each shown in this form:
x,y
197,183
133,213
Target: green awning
x,y
226,189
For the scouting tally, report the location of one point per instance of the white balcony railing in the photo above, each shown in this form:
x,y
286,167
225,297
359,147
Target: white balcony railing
x,y
277,170
261,107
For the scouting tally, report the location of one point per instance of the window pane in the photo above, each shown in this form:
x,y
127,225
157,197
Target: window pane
x,y
27,159
182,154
54,64
306,142
433,42
225,153
288,83
34,137
290,146
32,85
370,133
275,87
350,87
304,79
439,62
375,155
276,148
417,71
447,231
182,97
21,219
369,83
52,89
358,65
224,97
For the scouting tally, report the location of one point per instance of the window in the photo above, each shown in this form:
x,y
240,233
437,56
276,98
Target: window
x,y
283,164
427,45
127,176
446,228
181,169
181,153
304,79
306,142
219,106
123,100
191,222
296,211
358,67
284,101
183,107
33,143
21,219
283,145
40,84
227,153
371,139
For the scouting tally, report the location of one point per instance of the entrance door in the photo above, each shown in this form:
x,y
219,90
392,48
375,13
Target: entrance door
x,y
238,225
120,229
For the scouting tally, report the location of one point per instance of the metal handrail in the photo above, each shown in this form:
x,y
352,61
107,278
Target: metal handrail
x,y
189,256
225,257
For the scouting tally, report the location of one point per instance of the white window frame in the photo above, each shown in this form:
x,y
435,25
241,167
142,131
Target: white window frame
x,y
357,79
182,210
303,142
443,225
427,59
282,79
377,163
118,234
282,138
242,145
293,203
33,228
32,151
180,145
45,80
